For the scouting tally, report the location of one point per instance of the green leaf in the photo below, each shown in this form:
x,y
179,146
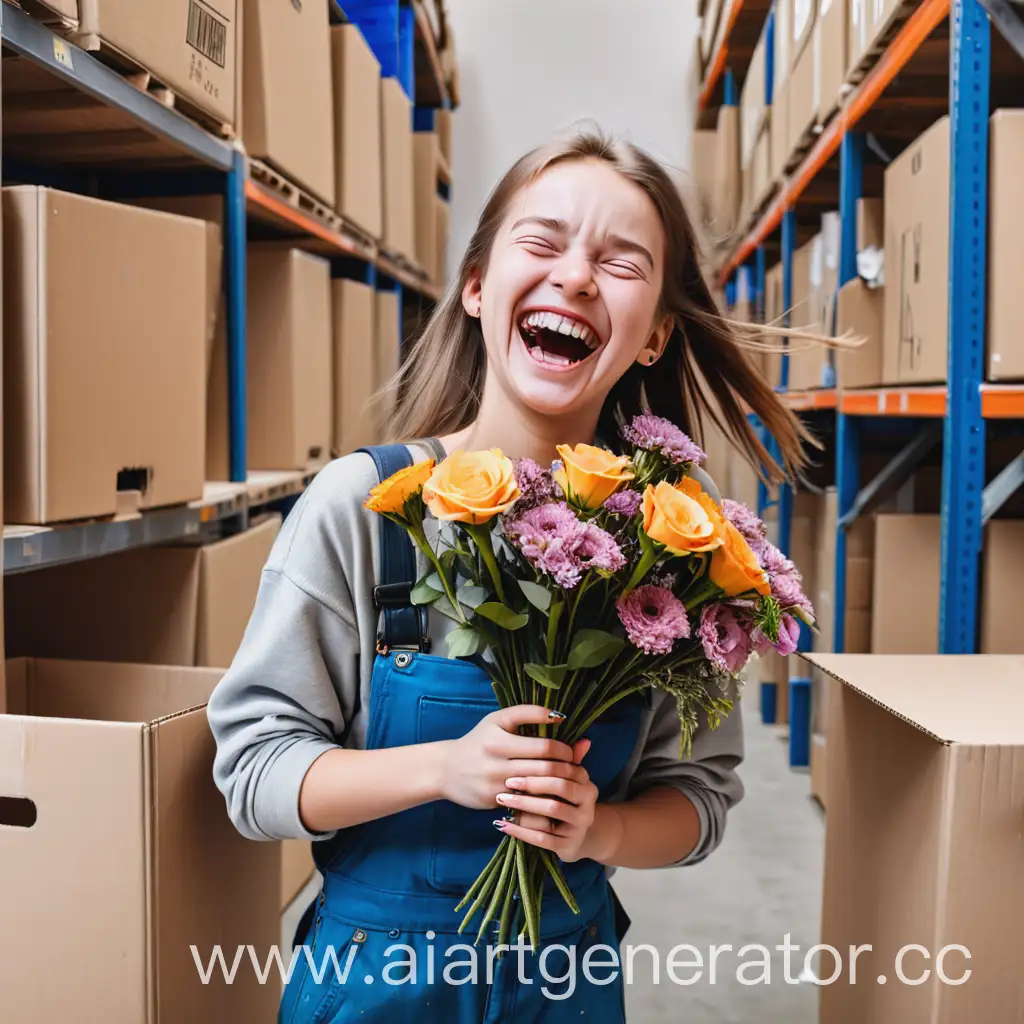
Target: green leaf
x,y
538,596
424,592
551,676
463,641
472,597
447,560
445,607
593,647
502,615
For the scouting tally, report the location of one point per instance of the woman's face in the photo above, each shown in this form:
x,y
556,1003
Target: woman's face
x,y
570,298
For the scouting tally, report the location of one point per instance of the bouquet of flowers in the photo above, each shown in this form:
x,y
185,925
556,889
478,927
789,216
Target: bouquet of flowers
x,y
587,582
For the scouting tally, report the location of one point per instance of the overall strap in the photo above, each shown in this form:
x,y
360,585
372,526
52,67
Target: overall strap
x,y
404,624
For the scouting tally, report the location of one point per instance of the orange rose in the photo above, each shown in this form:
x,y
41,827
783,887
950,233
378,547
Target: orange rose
x,y
680,522
471,487
735,568
390,495
693,489
591,475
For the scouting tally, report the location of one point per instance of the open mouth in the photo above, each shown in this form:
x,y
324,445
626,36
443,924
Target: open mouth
x,y
556,339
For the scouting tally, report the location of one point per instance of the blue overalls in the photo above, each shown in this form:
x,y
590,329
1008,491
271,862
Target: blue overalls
x,y
387,905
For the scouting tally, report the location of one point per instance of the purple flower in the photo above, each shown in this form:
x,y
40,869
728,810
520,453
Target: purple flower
x,y
786,589
789,635
726,643
547,536
654,619
624,503
750,527
657,434
774,562
535,484
596,549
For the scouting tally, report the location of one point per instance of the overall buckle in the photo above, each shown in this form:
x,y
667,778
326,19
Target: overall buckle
x,y
392,595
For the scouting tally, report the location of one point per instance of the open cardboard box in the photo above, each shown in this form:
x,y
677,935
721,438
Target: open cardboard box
x,y
923,841
117,854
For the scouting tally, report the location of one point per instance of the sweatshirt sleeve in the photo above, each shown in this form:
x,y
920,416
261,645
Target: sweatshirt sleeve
x,y
294,682
709,778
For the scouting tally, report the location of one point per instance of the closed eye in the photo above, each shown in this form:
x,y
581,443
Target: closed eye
x,y
624,267
533,242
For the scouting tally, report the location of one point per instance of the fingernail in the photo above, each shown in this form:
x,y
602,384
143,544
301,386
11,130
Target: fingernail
x,y
515,783
556,716
502,798
500,824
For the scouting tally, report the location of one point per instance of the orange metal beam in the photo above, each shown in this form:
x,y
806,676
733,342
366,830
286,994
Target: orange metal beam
x,y
802,401
1002,402
718,65
925,402
259,196
918,28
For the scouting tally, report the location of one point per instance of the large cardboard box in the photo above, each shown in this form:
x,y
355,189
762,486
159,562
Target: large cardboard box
x,y
858,33
778,128
870,224
783,46
289,366
1005,312
104,362
754,101
59,13
833,21
905,612
861,313
287,110
728,173
443,218
174,605
111,769
186,45
709,30
807,361
805,18
1003,556
703,163
399,238
355,368
297,868
443,125
917,260
921,849
357,130
388,337
426,160
802,94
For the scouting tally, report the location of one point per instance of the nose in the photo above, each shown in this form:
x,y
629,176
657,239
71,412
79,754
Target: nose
x,y
574,276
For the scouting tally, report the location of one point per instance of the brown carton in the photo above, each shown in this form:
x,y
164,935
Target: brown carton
x,y
388,337
1000,591
442,217
288,90
753,102
1005,311
175,605
728,178
443,126
186,45
105,366
802,96
703,159
399,238
357,130
859,36
59,13
926,781
297,868
870,224
917,260
861,313
778,128
355,371
905,606
804,19
118,760
426,158
833,20
289,358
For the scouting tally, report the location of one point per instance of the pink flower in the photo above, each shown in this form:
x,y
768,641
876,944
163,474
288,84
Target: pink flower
x,y
547,536
787,590
750,527
596,549
654,619
773,561
657,434
624,503
535,484
725,641
789,636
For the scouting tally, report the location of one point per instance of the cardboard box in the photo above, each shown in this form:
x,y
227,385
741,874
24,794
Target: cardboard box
x,y
861,313
1005,311
819,768
118,761
802,94
442,217
833,20
783,28
773,313
94,403
870,224
762,184
754,101
174,605
703,171
297,869
443,125
709,30
288,89
188,46
399,237
289,366
426,160
808,362
804,18
1003,556
388,337
778,128
926,784
355,369
58,13
728,178
357,130
859,36
905,608
917,260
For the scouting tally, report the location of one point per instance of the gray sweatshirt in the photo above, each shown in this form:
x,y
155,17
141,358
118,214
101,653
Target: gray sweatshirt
x,y
302,674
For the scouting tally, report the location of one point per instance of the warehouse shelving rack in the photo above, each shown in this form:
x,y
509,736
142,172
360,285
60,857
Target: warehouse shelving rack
x,y
80,125
955,414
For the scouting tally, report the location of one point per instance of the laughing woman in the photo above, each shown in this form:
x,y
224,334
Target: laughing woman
x,y
579,303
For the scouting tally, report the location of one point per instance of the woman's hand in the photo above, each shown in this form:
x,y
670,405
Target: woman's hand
x,y
475,767
555,813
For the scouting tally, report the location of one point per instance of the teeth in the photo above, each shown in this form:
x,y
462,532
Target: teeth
x,y
565,327
562,325
577,330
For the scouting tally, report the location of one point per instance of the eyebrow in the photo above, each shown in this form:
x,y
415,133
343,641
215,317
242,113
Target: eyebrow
x,y
560,227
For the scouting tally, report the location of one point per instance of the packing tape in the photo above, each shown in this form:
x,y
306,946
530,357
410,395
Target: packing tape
x,y
14,740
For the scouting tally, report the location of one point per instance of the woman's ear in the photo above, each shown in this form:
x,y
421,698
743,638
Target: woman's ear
x,y
655,347
471,294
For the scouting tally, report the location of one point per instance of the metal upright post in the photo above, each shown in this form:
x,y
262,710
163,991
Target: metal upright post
x,y
731,96
851,188
760,273
235,282
963,453
847,486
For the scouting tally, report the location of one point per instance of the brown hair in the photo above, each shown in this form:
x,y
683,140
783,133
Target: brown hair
x,y
439,386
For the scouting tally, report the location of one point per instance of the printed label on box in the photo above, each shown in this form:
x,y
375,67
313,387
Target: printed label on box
x,y
207,33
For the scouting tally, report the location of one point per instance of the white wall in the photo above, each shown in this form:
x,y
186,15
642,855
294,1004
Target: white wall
x,y
532,68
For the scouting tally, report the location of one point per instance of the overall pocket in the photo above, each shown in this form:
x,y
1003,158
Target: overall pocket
x,y
462,841
329,968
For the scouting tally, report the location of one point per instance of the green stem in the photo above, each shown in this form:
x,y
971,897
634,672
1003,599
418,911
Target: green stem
x,y
499,891
646,563
554,614
526,896
708,590
482,538
421,542
484,875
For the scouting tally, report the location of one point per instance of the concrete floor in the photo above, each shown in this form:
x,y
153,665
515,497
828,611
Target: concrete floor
x,y
763,882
